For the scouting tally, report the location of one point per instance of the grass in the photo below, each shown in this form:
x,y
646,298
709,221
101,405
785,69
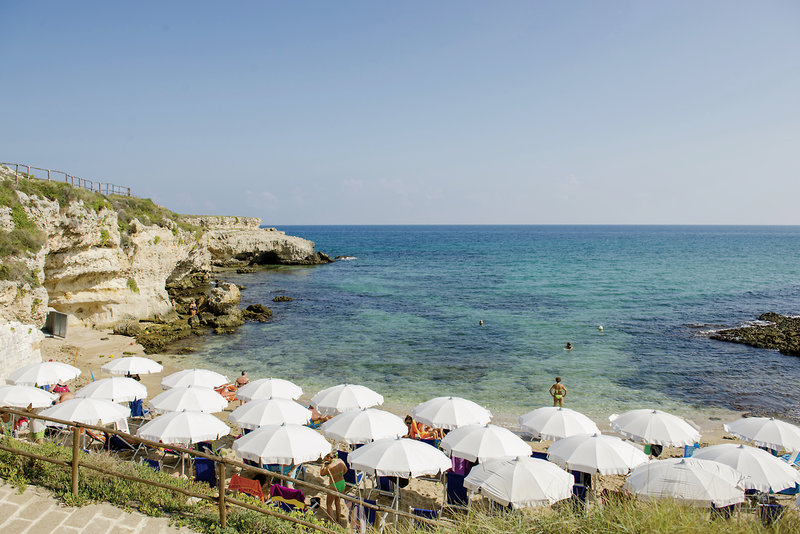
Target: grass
x,y
146,498
621,516
26,237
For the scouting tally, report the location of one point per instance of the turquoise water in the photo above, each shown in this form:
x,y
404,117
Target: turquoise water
x,y
403,317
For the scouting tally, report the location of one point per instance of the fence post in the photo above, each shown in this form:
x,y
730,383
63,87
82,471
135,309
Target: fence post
x,y
48,175
221,491
76,447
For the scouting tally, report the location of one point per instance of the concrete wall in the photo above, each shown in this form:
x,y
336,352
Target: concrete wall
x,y
19,346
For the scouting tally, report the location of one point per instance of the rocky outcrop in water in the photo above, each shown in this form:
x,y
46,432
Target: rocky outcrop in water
x,y
777,332
241,242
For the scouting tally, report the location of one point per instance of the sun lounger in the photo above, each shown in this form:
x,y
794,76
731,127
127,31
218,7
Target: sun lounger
x,y
288,499
362,516
455,494
425,514
205,470
246,485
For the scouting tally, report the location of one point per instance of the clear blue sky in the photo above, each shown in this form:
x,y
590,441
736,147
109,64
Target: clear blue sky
x,y
416,112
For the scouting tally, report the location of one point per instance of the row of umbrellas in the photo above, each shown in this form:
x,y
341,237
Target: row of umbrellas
x,y
503,456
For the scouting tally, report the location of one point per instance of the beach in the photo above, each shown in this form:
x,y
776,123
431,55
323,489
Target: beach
x,y
89,349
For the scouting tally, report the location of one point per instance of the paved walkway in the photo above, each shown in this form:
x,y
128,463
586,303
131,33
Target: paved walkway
x,y
36,511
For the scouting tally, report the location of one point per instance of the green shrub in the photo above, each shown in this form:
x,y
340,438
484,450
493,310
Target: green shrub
x,y
132,285
105,237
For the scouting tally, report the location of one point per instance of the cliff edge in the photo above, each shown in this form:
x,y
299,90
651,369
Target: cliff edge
x,y
107,259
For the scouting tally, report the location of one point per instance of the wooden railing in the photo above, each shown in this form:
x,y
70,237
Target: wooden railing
x,y
221,498
53,175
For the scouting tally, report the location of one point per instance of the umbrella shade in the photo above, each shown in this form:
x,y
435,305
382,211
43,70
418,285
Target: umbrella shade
x,y
656,427
764,472
552,423
521,482
597,453
183,428
115,389
134,365
701,482
479,443
451,412
191,398
363,426
89,411
262,412
23,396
399,457
345,397
43,374
282,444
766,432
264,388
194,377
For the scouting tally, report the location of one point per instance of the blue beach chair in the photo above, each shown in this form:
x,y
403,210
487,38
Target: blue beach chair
x,y
205,471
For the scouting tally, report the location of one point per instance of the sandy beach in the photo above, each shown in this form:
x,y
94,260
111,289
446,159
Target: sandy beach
x,y
89,349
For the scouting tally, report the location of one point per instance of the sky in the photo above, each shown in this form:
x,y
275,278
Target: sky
x,y
446,112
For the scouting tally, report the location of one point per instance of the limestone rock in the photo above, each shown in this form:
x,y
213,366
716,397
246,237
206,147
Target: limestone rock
x,y
224,299
257,312
19,346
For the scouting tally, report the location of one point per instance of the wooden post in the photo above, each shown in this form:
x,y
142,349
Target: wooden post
x,y
76,447
221,491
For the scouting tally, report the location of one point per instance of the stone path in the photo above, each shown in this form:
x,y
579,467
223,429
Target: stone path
x,y
36,511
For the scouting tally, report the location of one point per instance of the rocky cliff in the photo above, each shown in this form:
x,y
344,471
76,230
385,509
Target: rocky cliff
x,y
108,259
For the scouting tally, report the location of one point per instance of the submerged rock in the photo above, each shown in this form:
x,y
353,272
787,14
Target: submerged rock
x,y
282,298
257,312
776,331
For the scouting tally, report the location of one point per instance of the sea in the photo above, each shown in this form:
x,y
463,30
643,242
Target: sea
x,y
484,312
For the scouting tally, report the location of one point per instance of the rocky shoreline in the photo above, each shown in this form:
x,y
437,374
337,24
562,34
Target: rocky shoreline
x,y
778,332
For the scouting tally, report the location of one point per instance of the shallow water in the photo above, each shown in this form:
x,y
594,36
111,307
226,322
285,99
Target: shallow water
x,y
403,317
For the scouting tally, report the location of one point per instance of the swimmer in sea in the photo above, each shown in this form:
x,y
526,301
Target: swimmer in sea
x,y
568,346
558,391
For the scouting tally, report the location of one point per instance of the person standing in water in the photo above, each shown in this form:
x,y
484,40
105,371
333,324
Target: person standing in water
x,y
558,391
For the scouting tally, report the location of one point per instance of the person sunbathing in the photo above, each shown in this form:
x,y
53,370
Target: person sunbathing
x,y
418,430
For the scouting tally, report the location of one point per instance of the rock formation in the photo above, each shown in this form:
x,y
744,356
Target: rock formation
x,y
108,260
775,332
19,346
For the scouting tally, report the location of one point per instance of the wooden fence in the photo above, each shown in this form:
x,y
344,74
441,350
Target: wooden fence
x,y
53,175
221,462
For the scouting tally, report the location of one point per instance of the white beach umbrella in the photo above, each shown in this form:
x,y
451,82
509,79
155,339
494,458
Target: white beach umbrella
x,y
656,427
399,457
116,389
552,423
605,455
43,374
262,412
183,428
191,398
520,482
134,365
23,396
194,377
282,444
766,432
264,388
451,412
345,397
479,443
89,411
764,472
702,482
363,426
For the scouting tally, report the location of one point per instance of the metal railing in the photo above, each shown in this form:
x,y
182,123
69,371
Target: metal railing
x,y
103,188
221,498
